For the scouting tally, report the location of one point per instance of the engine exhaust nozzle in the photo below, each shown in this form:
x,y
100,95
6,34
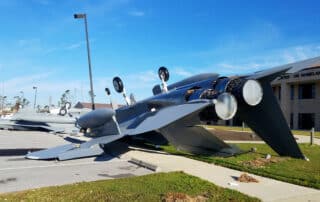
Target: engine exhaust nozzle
x,y
252,92
226,106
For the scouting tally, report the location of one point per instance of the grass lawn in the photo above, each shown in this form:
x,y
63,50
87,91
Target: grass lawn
x,y
295,132
296,171
154,187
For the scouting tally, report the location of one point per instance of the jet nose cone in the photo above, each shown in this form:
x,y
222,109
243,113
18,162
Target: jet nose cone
x,y
95,118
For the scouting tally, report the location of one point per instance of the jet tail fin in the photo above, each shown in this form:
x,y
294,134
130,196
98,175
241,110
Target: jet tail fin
x,y
267,121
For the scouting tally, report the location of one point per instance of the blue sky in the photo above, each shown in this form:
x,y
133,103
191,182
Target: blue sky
x,y
42,45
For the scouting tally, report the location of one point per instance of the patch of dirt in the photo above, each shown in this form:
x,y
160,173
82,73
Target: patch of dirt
x,y
261,162
181,197
247,178
234,135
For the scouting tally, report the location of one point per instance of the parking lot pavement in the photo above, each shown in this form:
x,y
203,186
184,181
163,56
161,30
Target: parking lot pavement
x,y
18,173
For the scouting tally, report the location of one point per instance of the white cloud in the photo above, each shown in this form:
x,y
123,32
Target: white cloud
x,y
29,43
13,86
267,59
300,52
16,82
230,68
74,46
136,13
140,80
181,72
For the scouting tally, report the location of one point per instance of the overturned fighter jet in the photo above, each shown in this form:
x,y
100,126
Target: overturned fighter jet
x,y
29,119
176,110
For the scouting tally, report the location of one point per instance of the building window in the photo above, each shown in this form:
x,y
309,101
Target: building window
x,y
279,92
292,92
291,120
307,91
306,121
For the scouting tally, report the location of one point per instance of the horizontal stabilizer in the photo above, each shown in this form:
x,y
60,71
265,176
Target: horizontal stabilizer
x,y
51,153
95,150
72,151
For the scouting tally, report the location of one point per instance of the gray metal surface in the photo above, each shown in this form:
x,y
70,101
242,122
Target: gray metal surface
x,y
193,79
96,119
72,151
268,122
166,116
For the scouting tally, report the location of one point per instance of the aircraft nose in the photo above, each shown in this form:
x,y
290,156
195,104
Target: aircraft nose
x,y
95,118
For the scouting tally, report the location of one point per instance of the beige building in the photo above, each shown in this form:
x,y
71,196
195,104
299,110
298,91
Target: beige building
x,y
299,97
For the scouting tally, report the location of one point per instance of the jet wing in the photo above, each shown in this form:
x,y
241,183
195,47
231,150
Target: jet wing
x,y
157,119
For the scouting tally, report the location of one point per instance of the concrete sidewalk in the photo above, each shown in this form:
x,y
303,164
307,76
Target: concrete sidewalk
x,y
267,189
299,139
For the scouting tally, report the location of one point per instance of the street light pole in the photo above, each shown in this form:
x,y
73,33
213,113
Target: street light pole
x,y
84,16
2,103
35,96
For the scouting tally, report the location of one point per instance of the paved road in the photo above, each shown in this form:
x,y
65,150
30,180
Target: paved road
x,y
17,173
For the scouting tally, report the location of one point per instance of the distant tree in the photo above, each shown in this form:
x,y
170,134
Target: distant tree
x,y
25,102
20,102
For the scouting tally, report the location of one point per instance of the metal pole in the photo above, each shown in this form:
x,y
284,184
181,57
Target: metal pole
x,y
2,100
311,136
89,62
22,97
35,98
